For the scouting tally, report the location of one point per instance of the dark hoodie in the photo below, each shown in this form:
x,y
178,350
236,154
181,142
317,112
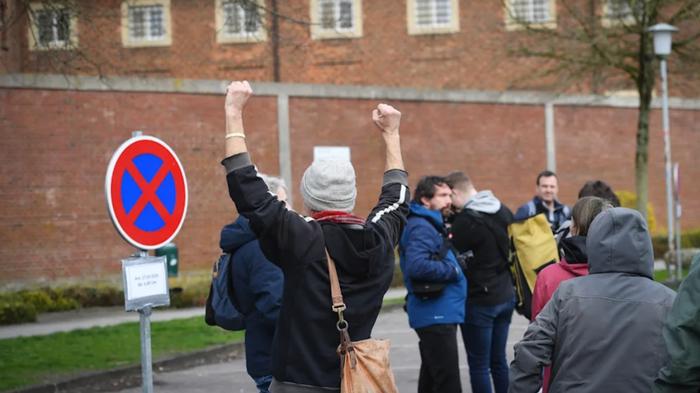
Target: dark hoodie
x,y
306,338
258,287
482,228
601,332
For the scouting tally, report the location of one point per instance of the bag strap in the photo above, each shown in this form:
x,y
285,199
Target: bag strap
x,y
336,293
338,306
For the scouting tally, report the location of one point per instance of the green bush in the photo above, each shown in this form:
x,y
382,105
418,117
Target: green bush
x,y
13,311
97,296
40,299
689,239
189,290
188,297
629,199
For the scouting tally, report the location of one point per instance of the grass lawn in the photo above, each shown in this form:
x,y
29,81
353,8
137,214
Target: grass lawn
x,y
30,360
662,275
393,301
27,361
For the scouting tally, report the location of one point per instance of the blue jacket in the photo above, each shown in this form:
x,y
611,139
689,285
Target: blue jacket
x,y
258,284
421,239
535,206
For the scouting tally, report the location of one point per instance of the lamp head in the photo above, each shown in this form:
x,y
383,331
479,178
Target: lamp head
x,y
662,38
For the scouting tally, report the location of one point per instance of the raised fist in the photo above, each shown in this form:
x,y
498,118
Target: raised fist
x,y
387,118
237,94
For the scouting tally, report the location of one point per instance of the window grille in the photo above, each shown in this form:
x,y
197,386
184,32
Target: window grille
x,y
241,18
619,9
531,11
433,13
52,27
146,22
336,14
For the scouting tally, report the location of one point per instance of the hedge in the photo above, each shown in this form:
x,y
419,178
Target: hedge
x,y
24,305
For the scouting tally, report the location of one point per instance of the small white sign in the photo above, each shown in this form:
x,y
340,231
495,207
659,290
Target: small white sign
x,y
145,282
326,153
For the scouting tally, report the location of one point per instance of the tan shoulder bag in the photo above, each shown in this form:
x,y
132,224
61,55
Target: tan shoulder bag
x,y
364,365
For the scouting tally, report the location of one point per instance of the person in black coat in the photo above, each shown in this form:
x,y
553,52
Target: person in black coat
x,y
479,232
306,335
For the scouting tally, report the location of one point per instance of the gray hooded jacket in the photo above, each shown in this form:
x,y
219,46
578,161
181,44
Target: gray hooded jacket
x,y
601,332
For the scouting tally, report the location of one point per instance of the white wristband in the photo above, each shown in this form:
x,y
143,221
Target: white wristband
x,y
235,135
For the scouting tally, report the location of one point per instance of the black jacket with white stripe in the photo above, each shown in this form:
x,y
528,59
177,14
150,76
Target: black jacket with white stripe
x,y
306,339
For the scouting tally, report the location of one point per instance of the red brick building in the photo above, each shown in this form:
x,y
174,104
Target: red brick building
x,y
444,63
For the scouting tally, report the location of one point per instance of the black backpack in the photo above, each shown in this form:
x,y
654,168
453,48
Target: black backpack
x,y
222,309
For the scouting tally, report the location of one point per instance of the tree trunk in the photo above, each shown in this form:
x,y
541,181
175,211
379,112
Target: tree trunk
x,y
645,85
275,41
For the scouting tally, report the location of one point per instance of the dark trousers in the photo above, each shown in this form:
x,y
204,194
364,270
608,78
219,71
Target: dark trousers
x,y
485,334
439,369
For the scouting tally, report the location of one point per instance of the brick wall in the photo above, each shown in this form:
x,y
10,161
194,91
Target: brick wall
x,y
475,57
56,146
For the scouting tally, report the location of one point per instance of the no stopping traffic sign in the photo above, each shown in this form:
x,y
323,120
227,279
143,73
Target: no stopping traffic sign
x,y
146,192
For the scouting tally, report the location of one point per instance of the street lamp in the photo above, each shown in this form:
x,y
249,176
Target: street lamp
x,y
662,48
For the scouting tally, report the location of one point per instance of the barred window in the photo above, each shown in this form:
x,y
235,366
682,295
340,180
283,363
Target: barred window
x,y
433,13
241,18
146,22
52,27
336,14
531,11
618,9
616,12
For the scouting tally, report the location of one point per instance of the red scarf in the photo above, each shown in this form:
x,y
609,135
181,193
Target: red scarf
x,y
338,217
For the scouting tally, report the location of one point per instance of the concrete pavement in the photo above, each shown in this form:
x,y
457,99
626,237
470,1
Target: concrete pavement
x,y
87,318
392,324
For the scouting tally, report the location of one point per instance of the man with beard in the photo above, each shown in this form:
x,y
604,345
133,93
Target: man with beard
x,y
427,258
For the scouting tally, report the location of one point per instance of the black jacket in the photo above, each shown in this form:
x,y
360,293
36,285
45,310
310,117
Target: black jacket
x,y
487,272
306,339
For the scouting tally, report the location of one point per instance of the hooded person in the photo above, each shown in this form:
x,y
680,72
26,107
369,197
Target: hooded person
x,y
306,336
258,290
479,232
601,332
574,261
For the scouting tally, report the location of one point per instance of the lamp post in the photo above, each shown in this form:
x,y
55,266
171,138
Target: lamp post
x,y
662,48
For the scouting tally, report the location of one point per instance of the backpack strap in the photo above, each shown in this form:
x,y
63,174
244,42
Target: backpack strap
x,y
531,208
231,287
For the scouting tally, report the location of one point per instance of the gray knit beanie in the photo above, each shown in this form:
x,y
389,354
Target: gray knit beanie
x,y
329,185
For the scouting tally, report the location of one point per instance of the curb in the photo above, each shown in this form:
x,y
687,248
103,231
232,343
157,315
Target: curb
x,y
130,376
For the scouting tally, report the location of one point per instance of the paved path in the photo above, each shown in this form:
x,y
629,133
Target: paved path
x,y
107,316
231,377
87,318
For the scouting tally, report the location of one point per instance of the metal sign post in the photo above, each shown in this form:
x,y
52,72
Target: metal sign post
x,y
146,358
145,286
146,192
677,197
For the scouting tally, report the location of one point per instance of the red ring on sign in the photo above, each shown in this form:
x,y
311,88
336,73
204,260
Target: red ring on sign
x,y
170,165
